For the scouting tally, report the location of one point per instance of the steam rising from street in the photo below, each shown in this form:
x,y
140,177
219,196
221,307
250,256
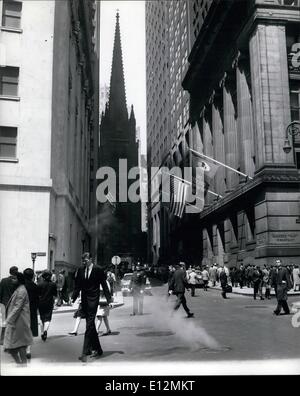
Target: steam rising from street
x,y
189,332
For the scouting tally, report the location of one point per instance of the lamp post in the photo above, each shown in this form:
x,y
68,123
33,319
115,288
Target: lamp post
x,y
33,257
292,129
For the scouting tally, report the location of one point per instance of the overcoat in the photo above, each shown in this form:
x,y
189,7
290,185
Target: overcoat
x,y
18,332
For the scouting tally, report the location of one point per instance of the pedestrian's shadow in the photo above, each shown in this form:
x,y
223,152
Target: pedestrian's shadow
x,y
109,353
113,333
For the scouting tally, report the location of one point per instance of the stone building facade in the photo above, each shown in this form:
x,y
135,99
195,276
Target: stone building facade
x,y
49,121
244,81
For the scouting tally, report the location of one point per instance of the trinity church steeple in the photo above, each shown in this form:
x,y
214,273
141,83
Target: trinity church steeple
x,y
117,109
122,227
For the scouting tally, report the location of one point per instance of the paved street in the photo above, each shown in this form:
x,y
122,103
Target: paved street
x,y
223,335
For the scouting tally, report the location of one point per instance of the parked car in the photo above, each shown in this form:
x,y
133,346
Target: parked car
x,y
125,282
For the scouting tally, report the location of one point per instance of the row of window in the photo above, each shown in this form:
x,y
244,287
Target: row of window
x,y
8,142
11,14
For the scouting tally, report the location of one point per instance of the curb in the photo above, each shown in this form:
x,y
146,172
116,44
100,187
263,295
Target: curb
x,y
250,293
74,309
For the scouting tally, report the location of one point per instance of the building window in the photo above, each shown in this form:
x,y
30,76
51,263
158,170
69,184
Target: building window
x,y
9,79
8,142
11,14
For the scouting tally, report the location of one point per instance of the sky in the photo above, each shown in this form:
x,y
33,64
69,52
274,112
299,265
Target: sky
x,y
132,26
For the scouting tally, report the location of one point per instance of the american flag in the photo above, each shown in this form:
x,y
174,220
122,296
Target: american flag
x,y
178,192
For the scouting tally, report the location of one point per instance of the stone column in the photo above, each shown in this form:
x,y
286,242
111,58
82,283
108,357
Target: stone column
x,y
218,142
208,146
230,132
270,92
245,118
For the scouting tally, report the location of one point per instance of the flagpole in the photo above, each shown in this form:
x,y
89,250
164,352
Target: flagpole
x,y
188,182
221,163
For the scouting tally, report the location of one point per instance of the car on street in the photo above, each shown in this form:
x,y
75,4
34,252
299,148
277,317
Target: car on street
x,y
125,282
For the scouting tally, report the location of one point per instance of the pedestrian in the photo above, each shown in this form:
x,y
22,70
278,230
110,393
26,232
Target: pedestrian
x,y
111,278
284,284
78,315
177,286
47,293
213,274
192,279
266,282
273,276
62,288
88,281
103,311
257,277
53,276
137,286
18,333
205,277
223,282
296,277
7,287
33,295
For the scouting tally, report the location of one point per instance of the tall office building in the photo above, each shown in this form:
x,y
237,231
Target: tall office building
x,y
49,106
120,230
167,49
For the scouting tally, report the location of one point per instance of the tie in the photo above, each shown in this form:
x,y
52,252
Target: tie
x,y
87,273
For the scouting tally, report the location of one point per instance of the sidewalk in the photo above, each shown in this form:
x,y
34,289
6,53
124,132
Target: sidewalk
x,y
118,302
248,291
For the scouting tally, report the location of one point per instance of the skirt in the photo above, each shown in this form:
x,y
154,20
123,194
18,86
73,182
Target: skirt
x,y
102,310
79,313
45,313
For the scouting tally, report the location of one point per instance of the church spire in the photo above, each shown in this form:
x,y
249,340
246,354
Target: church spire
x,y
117,98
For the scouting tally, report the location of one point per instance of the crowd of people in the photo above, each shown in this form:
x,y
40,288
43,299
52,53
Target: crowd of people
x,y
24,296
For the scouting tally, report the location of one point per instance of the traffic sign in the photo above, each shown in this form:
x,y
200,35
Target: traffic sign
x,y
116,260
41,254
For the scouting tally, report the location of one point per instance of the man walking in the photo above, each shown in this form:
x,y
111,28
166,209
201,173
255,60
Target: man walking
x,y
177,286
88,281
137,286
283,285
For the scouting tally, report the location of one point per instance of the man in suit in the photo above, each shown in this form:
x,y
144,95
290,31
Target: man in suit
x,y
8,286
177,286
283,285
88,281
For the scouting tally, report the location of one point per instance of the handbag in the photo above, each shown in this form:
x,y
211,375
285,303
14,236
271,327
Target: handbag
x,y
228,289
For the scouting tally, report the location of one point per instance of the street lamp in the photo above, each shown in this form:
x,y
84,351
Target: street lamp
x,y
292,129
33,257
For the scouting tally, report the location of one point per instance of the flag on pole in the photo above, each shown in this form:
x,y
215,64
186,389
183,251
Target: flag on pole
x,y
178,192
208,165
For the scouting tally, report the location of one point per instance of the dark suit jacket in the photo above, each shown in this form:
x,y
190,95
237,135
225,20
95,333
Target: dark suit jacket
x,y
7,288
90,288
178,282
33,294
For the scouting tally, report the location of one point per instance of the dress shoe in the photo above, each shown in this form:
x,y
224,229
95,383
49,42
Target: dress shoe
x,y
83,358
276,313
44,336
107,333
73,333
28,355
190,315
96,354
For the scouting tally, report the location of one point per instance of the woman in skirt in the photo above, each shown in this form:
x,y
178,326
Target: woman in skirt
x,y
103,312
78,315
47,294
